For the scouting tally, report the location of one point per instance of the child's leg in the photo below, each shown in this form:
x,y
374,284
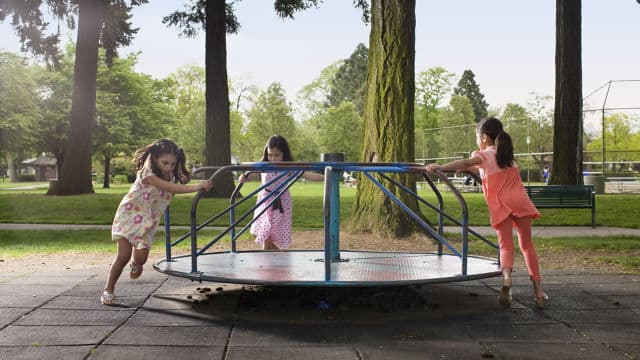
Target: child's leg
x,y
269,245
505,241
121,260
140,257
523,227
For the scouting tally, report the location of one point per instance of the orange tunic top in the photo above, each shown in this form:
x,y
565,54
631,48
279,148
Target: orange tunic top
x,y
503,189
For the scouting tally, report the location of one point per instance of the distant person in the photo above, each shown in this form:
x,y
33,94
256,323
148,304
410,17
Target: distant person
x,y
272,229
545,174
507,200
161,172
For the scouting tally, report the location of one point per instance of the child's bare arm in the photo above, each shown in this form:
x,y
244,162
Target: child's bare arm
x,y
176,188
456,165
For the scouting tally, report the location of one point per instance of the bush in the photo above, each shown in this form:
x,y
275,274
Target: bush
x,y
120,179
27,177
536,175
123,167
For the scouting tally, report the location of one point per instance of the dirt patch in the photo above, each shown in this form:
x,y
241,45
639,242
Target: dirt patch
x,y
306,240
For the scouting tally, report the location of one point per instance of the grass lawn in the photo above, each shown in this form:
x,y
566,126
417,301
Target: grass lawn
x,y
32,206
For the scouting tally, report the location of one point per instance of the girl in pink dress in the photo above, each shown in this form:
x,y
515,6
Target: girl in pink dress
x,y
507,200
161,172
272,229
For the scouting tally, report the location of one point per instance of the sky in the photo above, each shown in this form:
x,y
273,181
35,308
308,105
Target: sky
x,y
509,45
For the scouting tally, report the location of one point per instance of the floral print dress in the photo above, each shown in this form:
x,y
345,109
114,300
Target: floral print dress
x,y
275,222
139,212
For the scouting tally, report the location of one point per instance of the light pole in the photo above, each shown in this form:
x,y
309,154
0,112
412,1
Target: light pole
x,y
528,151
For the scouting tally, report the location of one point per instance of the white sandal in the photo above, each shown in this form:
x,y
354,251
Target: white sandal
x,y
136,271
107,298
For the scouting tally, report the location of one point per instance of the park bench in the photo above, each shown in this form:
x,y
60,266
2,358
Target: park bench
x,y
564,197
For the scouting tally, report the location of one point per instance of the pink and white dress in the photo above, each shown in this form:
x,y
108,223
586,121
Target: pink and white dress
x,y
139,212
274,223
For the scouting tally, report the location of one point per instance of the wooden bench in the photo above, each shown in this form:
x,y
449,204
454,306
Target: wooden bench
x,y
564,197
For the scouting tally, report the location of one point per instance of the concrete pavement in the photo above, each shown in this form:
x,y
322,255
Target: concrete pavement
x,y
58,315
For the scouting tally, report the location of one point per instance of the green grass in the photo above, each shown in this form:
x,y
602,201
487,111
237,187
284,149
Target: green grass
x,y
18,243
32,206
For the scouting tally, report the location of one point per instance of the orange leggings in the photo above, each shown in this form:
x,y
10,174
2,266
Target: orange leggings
x,y
505,240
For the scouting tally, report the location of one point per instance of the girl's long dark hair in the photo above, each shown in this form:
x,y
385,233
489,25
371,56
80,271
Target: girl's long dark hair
x,y
280,143
492,127
158,148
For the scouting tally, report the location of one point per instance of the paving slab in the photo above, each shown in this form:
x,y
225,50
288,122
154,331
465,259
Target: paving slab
x,y
9,315
44,352
537,351
340,352
75,317
155,352
528,333
93,303
605,316
294,334
440,349
210,335
160,317
53,335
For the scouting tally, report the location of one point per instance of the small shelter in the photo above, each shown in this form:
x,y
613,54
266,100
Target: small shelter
x,y
44,166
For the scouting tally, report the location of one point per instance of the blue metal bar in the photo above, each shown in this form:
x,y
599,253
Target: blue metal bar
x,y
411,213
167,234
275,194
439,210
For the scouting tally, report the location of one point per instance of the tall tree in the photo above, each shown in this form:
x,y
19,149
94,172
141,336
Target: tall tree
x,y
567,134
216,17
100,23
468,87
432,86
18,108
271,114
388,119
349,83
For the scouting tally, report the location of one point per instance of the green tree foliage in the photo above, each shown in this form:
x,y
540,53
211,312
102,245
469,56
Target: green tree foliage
x,y
132,110
457,133
270,114
622,140
567,132
349,81
188,129
389,116
101,23
313,97
432,86
468,87
216,18
18,108
340,130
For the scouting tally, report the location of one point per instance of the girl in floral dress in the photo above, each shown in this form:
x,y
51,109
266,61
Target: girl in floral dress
x,y
272,229
161,172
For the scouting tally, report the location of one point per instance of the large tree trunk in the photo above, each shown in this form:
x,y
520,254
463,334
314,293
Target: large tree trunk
x,y
217,128
389,111
567,134
107,173
75,177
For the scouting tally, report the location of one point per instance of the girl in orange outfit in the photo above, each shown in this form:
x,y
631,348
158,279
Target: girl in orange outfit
x,y
507,200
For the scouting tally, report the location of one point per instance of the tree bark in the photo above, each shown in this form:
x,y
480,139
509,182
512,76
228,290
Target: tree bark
x,y
567,134
75,176
217,127
107,173
389,117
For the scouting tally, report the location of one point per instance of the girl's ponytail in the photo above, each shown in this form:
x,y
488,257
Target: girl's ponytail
x,y
504,150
